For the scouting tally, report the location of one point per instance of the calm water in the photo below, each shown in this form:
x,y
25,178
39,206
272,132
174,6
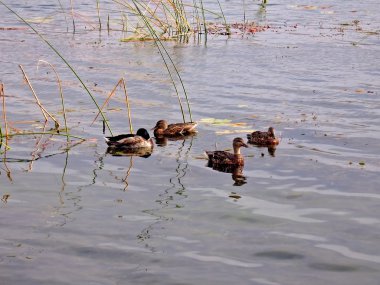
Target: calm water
x,y
307,215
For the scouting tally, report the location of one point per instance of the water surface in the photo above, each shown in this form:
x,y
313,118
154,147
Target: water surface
x,y
307,215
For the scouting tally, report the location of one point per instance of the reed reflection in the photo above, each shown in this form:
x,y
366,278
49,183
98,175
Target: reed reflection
x,y
172,195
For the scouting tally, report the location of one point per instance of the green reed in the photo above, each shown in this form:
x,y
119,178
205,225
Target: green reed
x,y
63,59
163,52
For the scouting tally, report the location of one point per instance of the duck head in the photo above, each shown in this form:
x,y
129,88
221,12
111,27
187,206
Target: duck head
x,y
143,133
237,144
161,125
271,131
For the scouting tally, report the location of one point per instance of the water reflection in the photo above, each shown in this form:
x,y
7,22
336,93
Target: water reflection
x,y
171,195
236,171
163,140
141,152
271,150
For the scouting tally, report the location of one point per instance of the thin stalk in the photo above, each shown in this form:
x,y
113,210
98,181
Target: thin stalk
x,y
37,145
46,133
204,21
60,93
224,18
63,59
159,44
64,13
108,23
107,100
43,110
72,14
98,9
128,107
2,94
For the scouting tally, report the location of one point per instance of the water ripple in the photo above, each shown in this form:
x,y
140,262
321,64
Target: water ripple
x,y
224,260
271,209
345,251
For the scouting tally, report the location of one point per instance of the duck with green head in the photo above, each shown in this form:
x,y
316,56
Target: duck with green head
x,y
139,140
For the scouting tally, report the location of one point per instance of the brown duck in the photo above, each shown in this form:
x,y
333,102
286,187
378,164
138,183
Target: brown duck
x,y
263,138
220,157
162,128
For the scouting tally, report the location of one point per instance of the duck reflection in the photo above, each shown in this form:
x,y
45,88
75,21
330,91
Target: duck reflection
x,y
163,140
236,171
272,150
141,152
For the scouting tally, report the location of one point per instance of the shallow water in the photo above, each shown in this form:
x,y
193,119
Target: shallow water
x,y
307,215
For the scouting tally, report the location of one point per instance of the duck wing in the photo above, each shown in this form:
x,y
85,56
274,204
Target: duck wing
x,y
257,135
262,138
118,138
220,157
181,128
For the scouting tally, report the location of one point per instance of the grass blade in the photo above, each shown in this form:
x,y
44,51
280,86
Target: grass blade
x,y
63,59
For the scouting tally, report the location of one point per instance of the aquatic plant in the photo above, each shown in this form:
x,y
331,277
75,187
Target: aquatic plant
x,y
63,59
60,94
120,83
163,52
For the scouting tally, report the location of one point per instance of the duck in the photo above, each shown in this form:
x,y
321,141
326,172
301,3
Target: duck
x,y
219,157
263,138
162,128
141,139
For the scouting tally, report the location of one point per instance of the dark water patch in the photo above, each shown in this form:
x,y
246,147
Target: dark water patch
x,y
334,267
280,255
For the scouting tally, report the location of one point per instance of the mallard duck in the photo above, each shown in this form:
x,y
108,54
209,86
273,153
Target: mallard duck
x,y
220,157
130,141
163,129
263,138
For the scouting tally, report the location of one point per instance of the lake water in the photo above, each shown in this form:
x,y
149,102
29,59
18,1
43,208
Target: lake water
x,y
309,214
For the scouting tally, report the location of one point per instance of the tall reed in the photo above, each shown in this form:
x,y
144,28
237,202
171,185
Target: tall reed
x,y
60,94
162,50
63,59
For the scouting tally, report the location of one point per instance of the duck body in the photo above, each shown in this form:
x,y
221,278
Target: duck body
x,y
220,157
162,128
131,141
263,138
224,158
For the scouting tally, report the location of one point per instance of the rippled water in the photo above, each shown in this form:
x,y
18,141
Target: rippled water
x,y
307,215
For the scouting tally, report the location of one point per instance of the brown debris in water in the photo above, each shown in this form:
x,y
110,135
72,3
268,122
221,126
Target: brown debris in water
x,y
236,28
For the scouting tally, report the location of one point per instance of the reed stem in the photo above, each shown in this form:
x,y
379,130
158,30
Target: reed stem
x,y
43,110
63,59
60,93
128,107
159,44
